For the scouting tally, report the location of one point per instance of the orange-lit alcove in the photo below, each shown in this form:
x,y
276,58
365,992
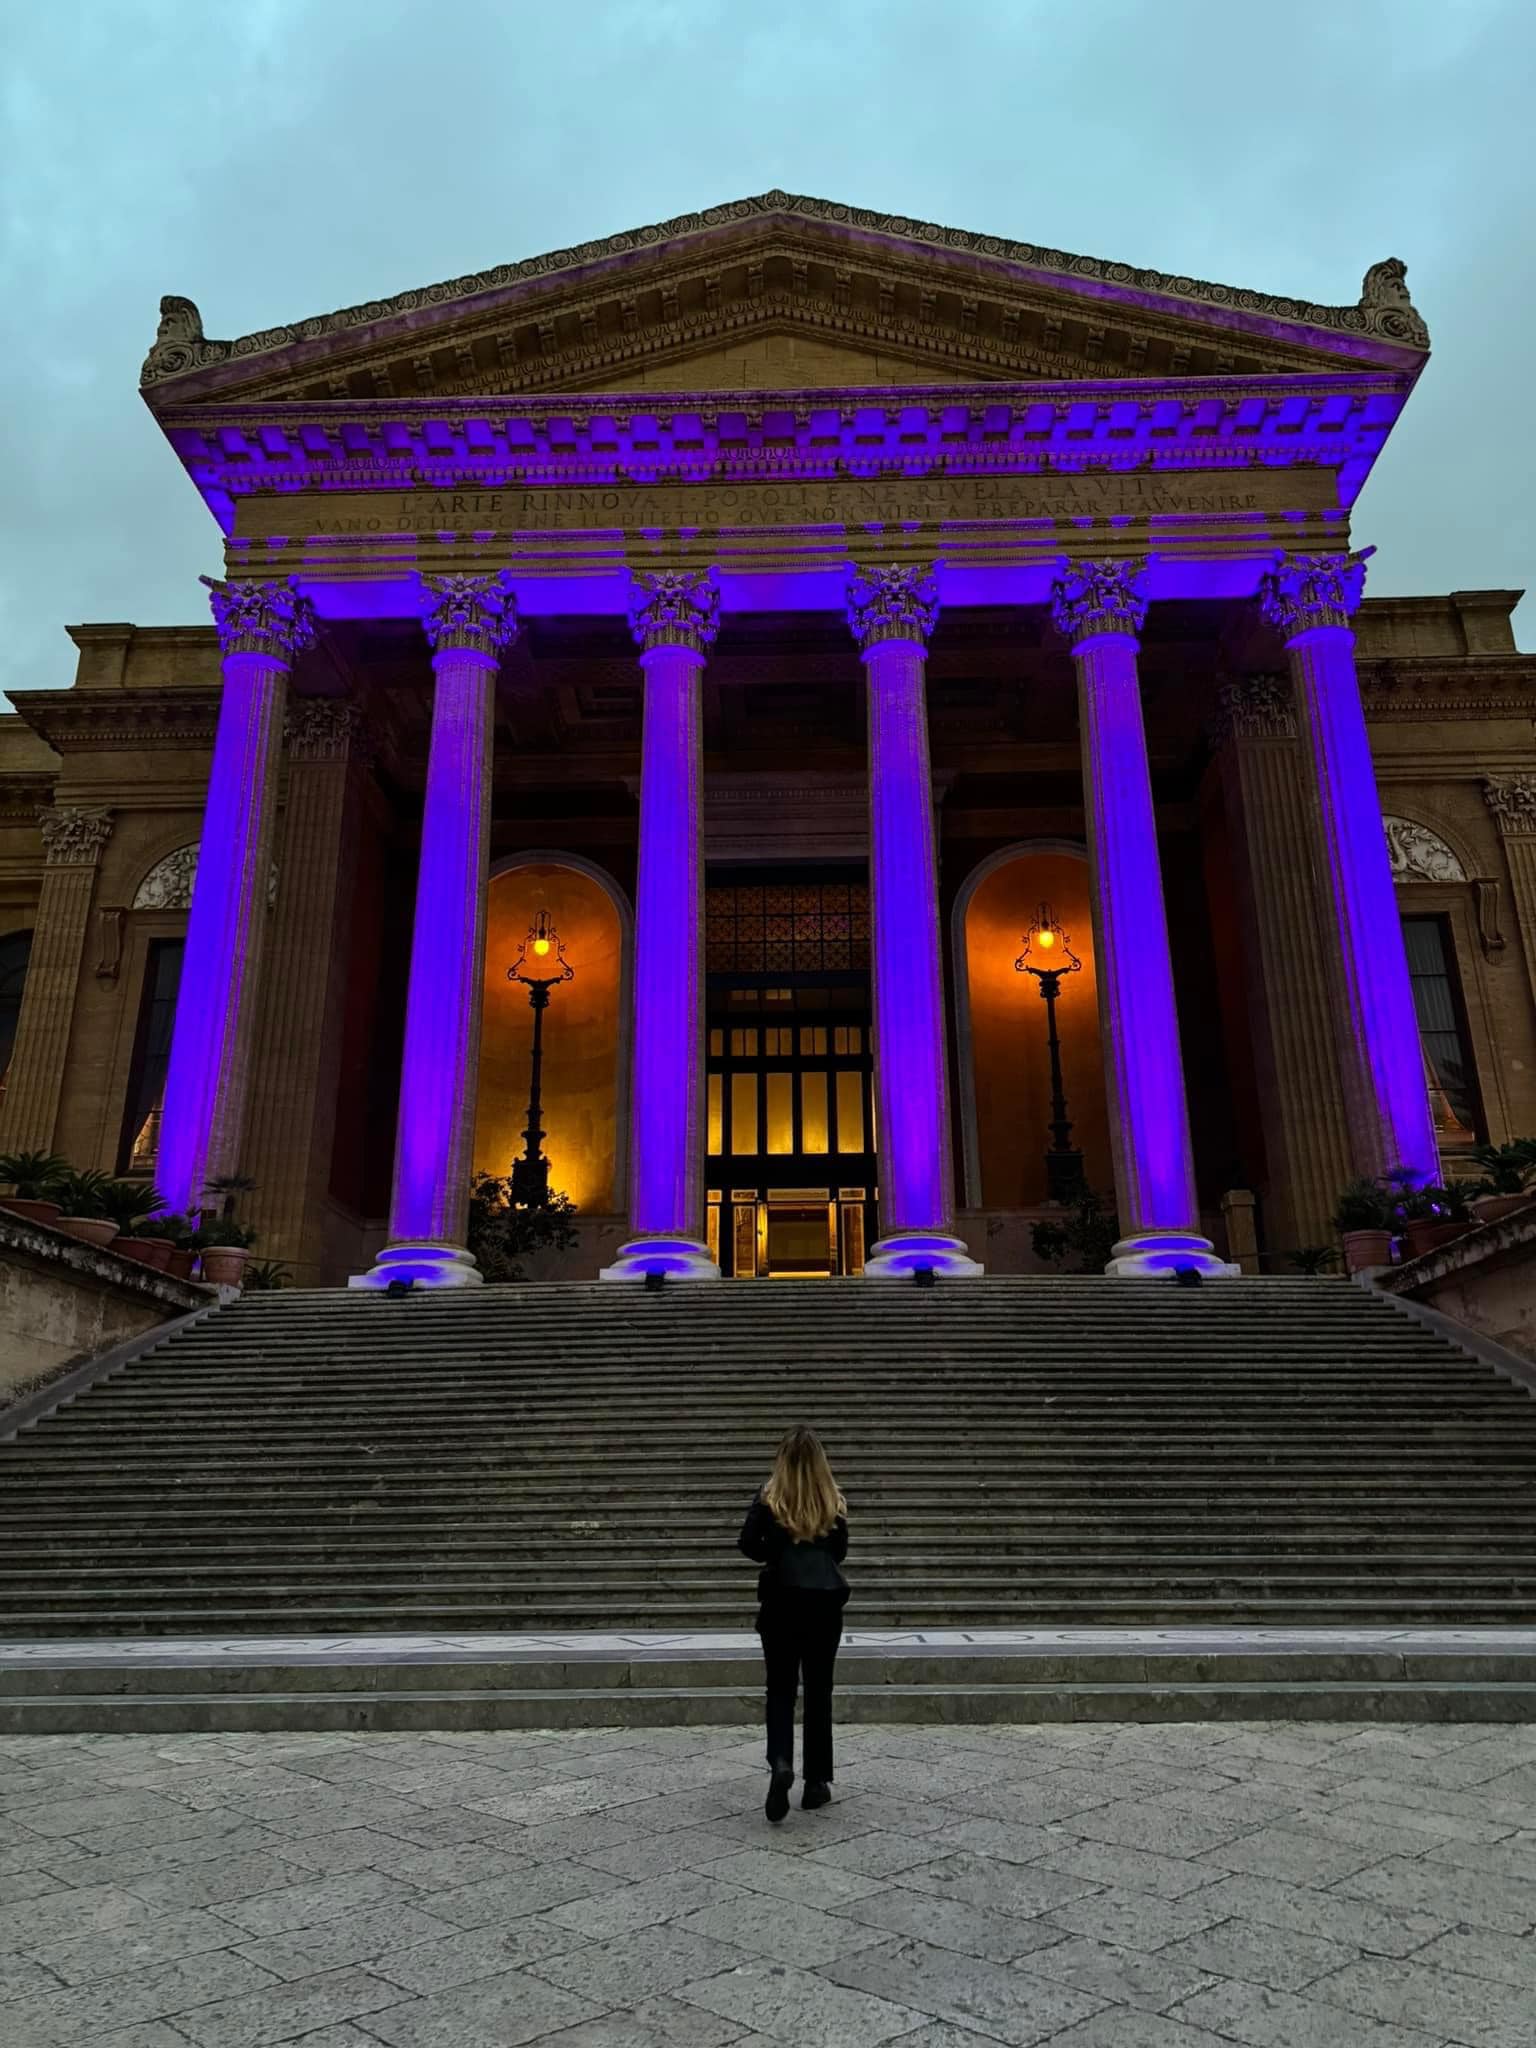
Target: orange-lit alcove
x,y
1006,1109
583,1068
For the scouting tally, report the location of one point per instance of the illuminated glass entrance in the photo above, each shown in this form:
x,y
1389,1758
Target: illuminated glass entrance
x,y
789,1062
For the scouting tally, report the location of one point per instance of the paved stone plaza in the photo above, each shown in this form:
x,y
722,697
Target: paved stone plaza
x,y
1280,1885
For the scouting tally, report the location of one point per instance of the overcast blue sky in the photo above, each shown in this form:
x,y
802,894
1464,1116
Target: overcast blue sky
x,y
277,158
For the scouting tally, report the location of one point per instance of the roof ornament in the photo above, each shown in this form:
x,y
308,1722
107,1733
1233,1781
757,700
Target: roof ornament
x,y
1390,311
177,340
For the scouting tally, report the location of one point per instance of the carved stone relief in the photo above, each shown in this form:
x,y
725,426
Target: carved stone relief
x,y
168,885
1419,855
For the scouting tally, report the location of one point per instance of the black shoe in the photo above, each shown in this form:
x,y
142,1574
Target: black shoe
x,y
814,1796
776,1805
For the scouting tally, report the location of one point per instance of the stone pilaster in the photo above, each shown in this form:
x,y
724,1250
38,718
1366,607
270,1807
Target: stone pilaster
x,y
674,616
1263,781
1512,801
892,612
73,839
1311,600
298,1049
1099,608
469,620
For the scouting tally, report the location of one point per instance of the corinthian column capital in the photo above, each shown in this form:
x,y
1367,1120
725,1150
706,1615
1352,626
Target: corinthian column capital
x,y
469,614
674,608
261,618
1255,707
900,602
326,729
1090,598
1303,591
74,838
1512,800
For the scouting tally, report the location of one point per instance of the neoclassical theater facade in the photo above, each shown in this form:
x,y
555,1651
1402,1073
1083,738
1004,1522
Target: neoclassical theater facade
x,y
787,602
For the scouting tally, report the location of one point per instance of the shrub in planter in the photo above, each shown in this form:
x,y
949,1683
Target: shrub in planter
x,y
134,1205
34,1179
178,1229
84,1212
1432,1215
223,1246
1509,1179
1364,1219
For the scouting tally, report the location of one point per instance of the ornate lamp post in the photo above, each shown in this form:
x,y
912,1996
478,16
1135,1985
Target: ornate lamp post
x,y
539,966
1048,956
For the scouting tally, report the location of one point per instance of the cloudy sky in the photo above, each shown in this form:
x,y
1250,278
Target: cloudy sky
x,y
278,158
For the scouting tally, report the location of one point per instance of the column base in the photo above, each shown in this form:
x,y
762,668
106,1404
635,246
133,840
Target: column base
x,y
424,1265
1153,1254
675,1258
906,1252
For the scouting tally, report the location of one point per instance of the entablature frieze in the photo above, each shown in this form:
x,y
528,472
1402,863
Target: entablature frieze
x,y
1409,690
140,719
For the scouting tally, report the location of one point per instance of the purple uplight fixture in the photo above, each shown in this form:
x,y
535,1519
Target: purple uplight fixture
x,y
1048,956
540,966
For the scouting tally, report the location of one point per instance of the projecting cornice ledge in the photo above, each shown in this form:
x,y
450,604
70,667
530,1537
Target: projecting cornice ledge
x,y
140,719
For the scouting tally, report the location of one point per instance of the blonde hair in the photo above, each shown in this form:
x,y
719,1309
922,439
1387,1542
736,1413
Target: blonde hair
x,y
801,1494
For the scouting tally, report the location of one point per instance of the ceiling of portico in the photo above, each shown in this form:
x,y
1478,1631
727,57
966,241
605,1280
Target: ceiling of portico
x,y
782,292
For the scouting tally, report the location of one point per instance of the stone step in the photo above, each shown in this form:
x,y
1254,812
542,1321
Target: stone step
x,y
185,1689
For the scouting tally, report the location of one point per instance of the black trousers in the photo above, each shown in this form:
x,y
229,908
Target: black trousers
x,y
800,1635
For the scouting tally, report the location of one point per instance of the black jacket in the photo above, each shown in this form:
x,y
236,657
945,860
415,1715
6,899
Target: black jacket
x,y
788,1566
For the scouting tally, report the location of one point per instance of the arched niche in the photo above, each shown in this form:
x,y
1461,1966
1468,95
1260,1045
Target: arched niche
x,y
1005,1076
586,1028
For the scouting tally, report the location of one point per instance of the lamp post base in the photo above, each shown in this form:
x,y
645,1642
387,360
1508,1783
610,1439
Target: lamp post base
x,y
906,1252
422,1265
1153,1254
674,1258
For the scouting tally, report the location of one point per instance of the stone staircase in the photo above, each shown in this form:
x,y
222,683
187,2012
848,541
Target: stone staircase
x,y
1017,1454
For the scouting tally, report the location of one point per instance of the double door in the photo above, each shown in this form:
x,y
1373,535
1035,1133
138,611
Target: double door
x,y
790,1126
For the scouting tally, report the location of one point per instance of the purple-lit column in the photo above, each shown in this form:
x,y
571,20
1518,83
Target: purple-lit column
x,y
892,612
1099,607
1311,599
674,615
261,628
469,620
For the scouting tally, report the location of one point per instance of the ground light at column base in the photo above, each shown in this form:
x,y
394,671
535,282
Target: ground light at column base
x,y
907,1252
421,1265
1152,1253
674,1258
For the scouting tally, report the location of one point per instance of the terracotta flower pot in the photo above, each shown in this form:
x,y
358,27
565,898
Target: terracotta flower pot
x,y
224,1264
32,1212
90,1229
180,1267
1427,1236
1365,1249
1494,1208
144,1251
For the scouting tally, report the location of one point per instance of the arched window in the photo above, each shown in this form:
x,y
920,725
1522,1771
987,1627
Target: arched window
x,y
14,954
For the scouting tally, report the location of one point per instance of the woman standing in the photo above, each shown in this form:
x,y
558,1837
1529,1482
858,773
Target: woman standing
x,y
797,1530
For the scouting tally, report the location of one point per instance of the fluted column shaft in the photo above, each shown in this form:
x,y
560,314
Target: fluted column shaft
x,y
1512,801
1100,606
674,617
468,621
1265,785
892,611
1311,599
298,1050
73,839
261,628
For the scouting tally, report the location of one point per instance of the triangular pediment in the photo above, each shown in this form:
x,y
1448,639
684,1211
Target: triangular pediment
x,y
782,293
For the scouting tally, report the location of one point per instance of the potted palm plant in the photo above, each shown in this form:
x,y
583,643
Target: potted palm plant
x,y
223,1246
33,1178
1509,1179
1432,1215
131,1203
178,1229
1363,1218
84,1213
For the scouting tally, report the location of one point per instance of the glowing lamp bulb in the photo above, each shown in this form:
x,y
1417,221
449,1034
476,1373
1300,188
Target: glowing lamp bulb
x,y
541,947
1045,940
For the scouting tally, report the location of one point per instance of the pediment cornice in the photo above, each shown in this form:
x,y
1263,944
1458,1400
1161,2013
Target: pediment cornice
x,y
120,718
968,305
